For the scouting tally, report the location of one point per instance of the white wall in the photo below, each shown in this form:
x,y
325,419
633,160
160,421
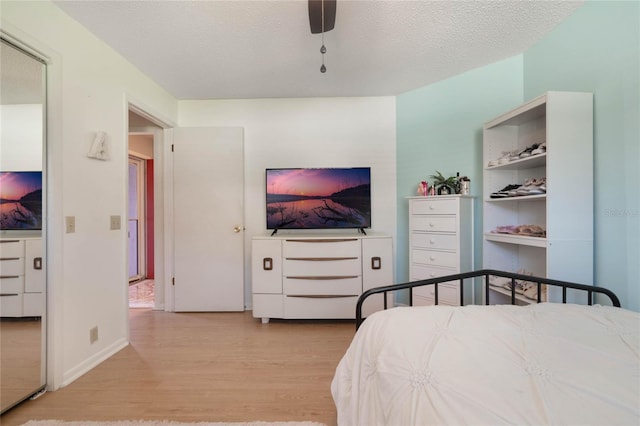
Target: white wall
x,y
88,89
318,132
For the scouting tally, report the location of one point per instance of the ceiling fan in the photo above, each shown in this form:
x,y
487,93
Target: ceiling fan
x,y
322,15
322,18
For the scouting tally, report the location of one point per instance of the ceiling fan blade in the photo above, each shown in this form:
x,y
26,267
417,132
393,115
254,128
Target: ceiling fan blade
x,y
315,15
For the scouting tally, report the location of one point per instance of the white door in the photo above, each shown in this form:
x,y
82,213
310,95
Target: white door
x,y
208,219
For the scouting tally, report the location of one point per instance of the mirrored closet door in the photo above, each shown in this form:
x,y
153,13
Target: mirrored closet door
x,y
22,223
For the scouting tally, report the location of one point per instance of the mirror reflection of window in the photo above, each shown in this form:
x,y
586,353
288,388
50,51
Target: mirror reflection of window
x,y
22,211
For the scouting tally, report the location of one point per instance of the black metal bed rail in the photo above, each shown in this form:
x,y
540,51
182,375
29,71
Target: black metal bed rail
x,y
539,281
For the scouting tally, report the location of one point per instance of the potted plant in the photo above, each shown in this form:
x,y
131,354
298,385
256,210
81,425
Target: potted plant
x,y
445,185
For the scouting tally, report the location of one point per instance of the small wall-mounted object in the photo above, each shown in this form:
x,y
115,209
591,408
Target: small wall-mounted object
x,y
267,264
376,263
99,147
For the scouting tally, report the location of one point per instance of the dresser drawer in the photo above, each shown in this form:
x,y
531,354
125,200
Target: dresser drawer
x,y
434,241
12,284
434,206
434,223
320,307
323,286
429,301
11,248
315,248
424,272
436,258
321,267
446,292
11,306
11,267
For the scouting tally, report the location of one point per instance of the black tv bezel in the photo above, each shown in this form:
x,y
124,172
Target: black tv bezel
x,y
327,228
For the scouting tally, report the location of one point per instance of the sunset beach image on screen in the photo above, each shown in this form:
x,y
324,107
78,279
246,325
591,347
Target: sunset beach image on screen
x,y
20,200
318,198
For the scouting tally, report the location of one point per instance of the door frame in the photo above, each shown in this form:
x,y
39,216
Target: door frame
x,y
161,130
142,212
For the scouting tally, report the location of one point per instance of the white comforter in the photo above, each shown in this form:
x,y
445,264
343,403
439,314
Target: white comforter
x,y
540,364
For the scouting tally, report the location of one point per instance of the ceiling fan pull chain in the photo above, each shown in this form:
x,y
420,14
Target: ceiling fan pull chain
x,y
323,49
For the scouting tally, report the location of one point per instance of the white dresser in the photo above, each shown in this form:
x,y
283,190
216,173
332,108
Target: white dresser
x,y
440,243
21,277
318,276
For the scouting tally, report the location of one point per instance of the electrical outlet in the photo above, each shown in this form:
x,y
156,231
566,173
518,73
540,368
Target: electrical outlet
x,y
70,224
115,223
93,335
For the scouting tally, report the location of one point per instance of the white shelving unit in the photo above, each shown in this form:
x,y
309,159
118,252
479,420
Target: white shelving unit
x,y
564,120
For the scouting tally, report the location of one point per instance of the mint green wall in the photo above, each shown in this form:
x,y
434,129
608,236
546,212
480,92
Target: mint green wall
x,y
439,127
597,50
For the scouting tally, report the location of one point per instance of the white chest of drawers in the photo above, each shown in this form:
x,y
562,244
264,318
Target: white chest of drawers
x,y
21,277
318,276
440,243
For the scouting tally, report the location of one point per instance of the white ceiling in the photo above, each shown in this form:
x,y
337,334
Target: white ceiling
x,y
264,49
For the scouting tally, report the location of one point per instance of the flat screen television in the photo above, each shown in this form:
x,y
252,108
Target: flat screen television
x,y
318,198
20,201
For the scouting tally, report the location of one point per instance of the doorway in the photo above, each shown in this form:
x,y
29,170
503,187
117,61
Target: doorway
x,y
140,221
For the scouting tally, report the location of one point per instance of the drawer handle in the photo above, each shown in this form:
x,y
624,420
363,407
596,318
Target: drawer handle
x,y
9,241
8,294
432,258
267,264
318,240
376,263
321,278
9,258
9,276
431,207
431,224
321,259
322,296
432,241
37,263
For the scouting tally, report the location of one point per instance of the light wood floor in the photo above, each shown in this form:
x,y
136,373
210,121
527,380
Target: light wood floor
x,y
206,367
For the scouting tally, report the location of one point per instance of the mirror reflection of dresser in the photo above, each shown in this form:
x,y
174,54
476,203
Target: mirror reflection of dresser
x,y
22,213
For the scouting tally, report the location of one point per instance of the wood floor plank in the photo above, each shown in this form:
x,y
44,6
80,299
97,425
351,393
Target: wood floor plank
x,y
206,367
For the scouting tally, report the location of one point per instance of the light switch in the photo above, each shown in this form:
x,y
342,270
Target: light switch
x,y
115,223
70,224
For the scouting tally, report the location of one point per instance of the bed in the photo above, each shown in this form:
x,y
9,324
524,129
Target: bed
x,y
544,363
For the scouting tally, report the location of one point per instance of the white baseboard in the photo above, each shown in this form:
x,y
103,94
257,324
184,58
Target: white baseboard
x,y
71,375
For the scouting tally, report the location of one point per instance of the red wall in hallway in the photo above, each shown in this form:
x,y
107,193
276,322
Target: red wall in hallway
x,y
149,219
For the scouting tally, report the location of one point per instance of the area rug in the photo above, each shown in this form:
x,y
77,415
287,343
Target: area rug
x,y
161,423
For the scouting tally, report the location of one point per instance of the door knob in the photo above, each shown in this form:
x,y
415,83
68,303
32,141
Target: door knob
x,y
237,229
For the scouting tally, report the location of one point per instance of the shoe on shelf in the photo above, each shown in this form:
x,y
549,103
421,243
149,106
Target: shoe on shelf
x,y
514,191
519,287
531,231
528,151
498,281
502,160
529,190
504,192
541,149
531,291
506,229
533,186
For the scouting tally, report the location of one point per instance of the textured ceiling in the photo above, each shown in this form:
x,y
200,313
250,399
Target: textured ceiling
x,y
264,49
